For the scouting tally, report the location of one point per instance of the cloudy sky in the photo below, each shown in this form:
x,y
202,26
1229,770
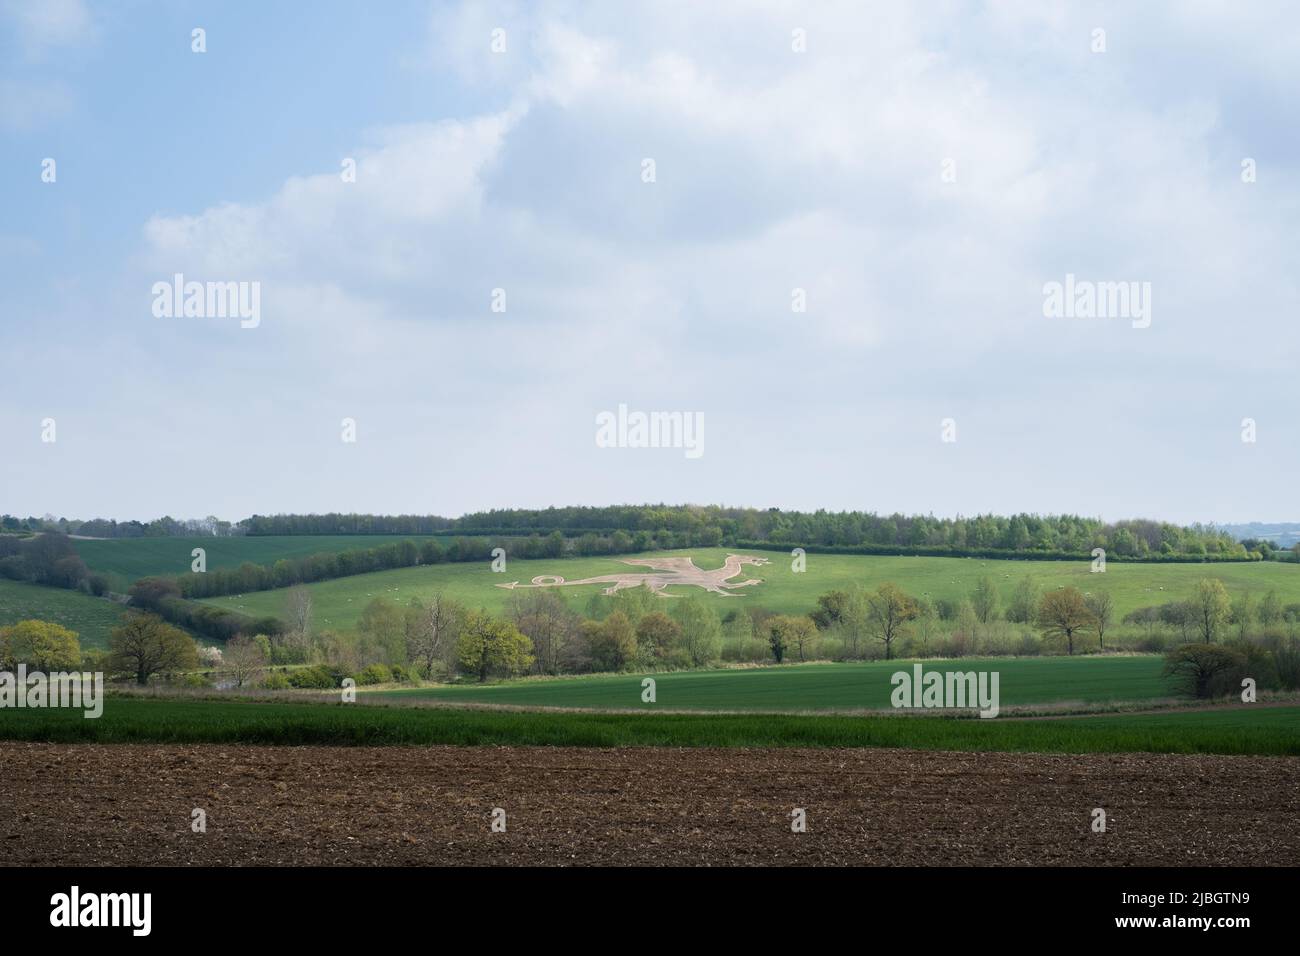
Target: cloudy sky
x,y
920,171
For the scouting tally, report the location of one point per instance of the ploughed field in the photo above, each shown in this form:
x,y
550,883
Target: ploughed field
x,y
133,804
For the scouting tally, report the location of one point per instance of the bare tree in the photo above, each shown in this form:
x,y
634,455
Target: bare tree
x,y
1211,606
1102,607
546,619
985,599
432,632
243,660
298,606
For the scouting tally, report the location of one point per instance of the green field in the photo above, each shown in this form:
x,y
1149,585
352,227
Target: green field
x,y
855,686
1268,730
92,618
126,559
338,603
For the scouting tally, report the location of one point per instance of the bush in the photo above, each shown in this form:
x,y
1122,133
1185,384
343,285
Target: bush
x,y
281,653
1205,670
276,680
374,674
1256,662
1153,643
1286,663
320,677
196,681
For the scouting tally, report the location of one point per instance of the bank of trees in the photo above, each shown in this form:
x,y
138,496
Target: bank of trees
x,y
1225,670
861,622
340,564
161,596
143,646
441,639
49,559
624,528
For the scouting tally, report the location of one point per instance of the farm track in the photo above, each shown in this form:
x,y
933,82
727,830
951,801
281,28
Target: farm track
x,y
131,805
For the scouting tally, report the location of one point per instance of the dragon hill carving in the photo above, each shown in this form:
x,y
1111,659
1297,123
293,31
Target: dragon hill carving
x,y
665,572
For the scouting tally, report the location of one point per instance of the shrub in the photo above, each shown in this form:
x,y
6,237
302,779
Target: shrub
x,y
1286,663
320,677
374,674
1205,670
1153,643
1256,662
1029,645
276,680
281,653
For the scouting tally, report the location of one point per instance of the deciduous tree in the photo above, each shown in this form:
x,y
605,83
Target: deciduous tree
x,y
244,660
656,635
145,645
41,645
985,600
889,610
433,631
1211,606
1064,614
1102,607
491,645
787,631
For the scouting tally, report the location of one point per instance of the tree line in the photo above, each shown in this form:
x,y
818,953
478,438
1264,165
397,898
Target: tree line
x,y
50,559
662,526
338,564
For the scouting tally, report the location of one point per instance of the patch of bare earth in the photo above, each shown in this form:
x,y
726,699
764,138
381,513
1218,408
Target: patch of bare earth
x,y
132,804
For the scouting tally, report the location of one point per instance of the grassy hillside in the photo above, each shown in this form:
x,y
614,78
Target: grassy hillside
x,y
125,559
92,618
1048,680
1240,730
339,602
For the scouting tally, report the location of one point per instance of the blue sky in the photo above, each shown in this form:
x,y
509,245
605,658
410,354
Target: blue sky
x,y
776,169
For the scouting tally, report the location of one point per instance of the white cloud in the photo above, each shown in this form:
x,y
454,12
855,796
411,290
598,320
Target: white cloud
x,y
777,170
44,25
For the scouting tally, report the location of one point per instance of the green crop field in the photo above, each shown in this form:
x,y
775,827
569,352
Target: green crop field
x,y
92,618
855,686
338,603
1239,730
126,559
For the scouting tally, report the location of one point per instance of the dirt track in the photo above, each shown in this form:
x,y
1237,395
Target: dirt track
x,y
131,804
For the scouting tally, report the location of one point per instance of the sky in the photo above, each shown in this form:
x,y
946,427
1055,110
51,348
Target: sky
x,y
822,231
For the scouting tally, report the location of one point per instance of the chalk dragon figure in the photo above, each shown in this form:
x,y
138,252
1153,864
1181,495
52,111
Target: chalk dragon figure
x,y
664,573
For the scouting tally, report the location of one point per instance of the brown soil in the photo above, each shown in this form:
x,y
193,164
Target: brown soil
x,y
131,804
